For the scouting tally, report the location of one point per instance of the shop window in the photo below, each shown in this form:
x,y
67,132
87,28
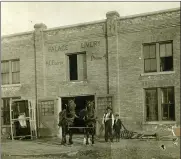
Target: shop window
x,y
158,57
5,110
77,66
160,104
47,108
10,72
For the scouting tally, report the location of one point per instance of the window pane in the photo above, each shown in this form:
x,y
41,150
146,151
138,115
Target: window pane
x,y
153,64
146,51
164,96
165,111
6,111
169,49
172,111
152,51
82,66
5,78
147,65
80,63
85,66
166,63
16,77
73,67
47,107
168,109
170,95
5,67
162,50
168,112
151,105
15,66
2,120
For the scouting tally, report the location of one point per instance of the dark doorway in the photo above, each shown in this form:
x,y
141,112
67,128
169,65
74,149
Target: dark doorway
x,y
73,67
80,102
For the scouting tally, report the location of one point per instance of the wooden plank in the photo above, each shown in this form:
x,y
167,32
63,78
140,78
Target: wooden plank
x,y
11,120
18,119
80,127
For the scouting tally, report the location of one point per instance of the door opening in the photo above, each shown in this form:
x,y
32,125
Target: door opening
x,y
80,102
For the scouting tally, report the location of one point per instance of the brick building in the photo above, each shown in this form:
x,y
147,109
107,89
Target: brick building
x,y
131,63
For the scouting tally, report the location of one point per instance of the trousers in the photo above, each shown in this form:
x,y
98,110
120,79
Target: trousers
x,y
108,131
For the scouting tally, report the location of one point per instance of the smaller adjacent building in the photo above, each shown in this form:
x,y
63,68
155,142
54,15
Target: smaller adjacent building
x,y
129,63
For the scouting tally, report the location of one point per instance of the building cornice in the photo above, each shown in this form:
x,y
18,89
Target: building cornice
x,y
150,13
75,25
16,34
95,22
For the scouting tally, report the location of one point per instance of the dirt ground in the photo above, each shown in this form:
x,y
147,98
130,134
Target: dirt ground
x,y
125,149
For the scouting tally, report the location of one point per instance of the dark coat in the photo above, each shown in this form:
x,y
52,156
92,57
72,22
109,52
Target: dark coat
x,y
117,125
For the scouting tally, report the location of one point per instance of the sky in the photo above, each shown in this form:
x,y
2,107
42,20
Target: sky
x,y
19,17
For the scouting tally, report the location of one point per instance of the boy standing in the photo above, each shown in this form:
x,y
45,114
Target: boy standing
x,y
117,127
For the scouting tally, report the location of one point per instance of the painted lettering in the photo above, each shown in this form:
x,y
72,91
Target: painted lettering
x,y
82,45
93,57
53,63
87,44
56,48
90,44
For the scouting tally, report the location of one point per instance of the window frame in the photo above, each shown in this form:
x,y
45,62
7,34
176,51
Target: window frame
x,y
68,69
158,58
153,88
166,42
149,57
159,104
10,73
15,71
2,109
43,108
168,103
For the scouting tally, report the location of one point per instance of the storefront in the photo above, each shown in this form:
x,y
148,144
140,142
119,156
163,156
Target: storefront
x,y
130,63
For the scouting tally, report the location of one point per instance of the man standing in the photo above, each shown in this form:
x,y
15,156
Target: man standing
x,y
108,121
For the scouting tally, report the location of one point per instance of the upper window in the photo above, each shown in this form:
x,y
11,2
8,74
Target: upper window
x,y
10,72
5,71
150,58
77,66
15,71
160,104
166,57
158,57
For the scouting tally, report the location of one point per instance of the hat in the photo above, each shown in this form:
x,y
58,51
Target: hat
x,y
109,108
116,114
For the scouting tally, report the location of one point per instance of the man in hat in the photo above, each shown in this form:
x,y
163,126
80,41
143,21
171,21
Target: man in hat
x,y
108,121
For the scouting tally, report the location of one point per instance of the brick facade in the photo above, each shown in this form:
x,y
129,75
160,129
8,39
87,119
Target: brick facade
x,y
114,62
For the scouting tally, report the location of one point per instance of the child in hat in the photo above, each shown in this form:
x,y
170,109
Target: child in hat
x,y
117,127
